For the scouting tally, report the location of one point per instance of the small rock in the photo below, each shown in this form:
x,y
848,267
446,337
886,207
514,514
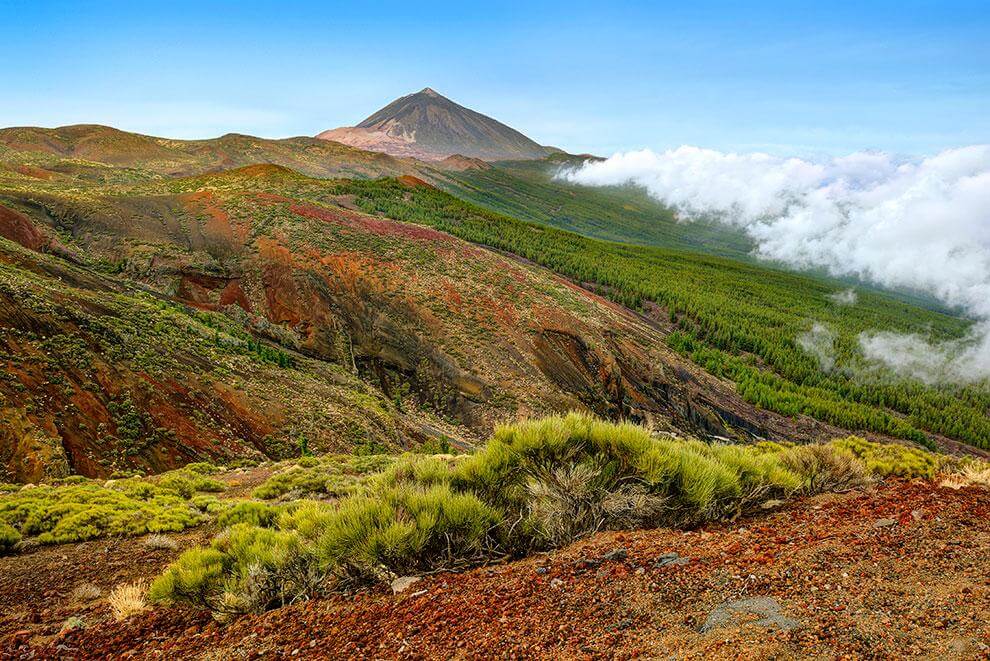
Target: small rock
x,y
884,523
403,583
556,583
542,570
616,555
671,559
624,623
767,609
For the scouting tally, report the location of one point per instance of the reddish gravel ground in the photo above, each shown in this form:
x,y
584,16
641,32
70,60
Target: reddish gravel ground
x,y
903,570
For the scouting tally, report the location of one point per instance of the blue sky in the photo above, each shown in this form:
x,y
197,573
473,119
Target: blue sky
x,y
785,77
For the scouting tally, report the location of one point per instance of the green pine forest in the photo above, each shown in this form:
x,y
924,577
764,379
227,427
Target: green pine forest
x,y
738,320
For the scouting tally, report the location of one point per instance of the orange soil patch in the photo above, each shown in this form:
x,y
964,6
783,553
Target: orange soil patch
x,y
218,225
413,182
35,172
269,199
19,229
378,226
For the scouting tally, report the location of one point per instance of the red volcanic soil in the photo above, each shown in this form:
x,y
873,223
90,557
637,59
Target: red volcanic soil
x,y
379,226
31,171
896,571
19,228
413,182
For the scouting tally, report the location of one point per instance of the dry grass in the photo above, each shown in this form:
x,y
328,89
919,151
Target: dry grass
x,y
825,468
974,475
85,592
128,599
158,541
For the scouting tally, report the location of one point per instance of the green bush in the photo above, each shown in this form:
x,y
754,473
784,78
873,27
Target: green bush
x,y
257,514
85,509
535,485
696,481
8,538
885,460
330,475
188,481
245,569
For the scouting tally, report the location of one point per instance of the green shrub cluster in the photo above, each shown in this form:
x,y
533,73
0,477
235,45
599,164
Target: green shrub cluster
x,y
80,509
885,460
329,475
248,511
535,485
9,537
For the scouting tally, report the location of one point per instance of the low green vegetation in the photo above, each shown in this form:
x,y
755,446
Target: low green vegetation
x,y
329,475
9,537
884,459
536,485
81,509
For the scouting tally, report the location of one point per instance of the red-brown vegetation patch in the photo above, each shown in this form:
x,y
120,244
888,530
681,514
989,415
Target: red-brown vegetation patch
x,y
377,226
18,228
34,172
233,294
413,182
218,227
269,199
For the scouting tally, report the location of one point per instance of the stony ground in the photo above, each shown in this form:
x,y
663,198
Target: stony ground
x,y
899,571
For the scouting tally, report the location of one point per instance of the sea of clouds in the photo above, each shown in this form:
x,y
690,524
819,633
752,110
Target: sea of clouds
x,y
921,224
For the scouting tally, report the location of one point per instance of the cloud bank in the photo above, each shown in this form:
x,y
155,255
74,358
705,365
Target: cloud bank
x,y
922,224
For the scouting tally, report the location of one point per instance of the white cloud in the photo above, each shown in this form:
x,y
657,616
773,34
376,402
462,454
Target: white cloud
x,y
820,343
922,224
964,360
844,297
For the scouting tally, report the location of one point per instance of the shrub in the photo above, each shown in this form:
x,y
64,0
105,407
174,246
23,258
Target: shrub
x,y
86,509
186,482
245,569
694,481
128,599
85,592
257,514
968,473
331,475
825,468
884,460
206,503
9,539
535,485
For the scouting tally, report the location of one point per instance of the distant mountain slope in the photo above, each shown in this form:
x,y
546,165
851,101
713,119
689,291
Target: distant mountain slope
x,y
529,190
163,156
431,127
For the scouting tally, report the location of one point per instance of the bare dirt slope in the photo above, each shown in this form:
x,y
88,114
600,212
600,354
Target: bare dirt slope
x,y
894,572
